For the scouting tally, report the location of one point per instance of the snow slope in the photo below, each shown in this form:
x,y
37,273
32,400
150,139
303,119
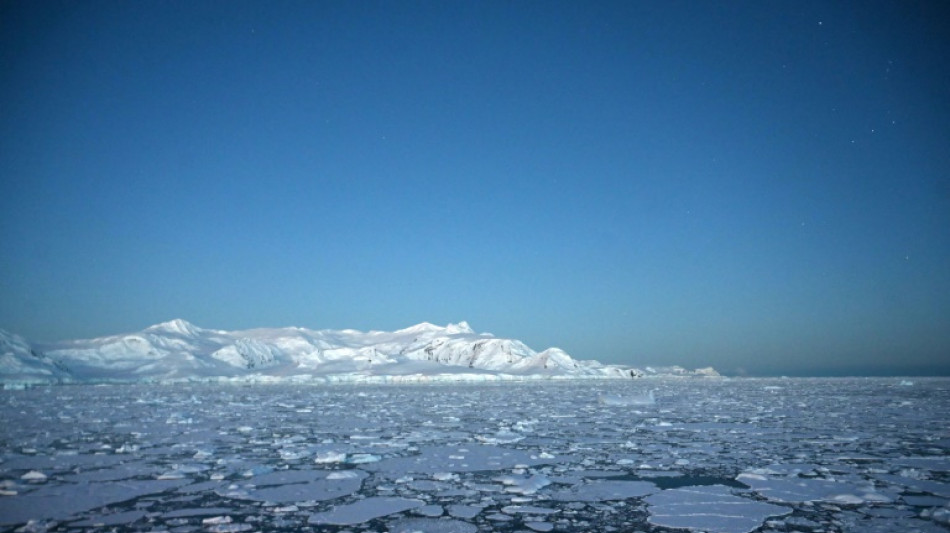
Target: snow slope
x,y
21,364
178,350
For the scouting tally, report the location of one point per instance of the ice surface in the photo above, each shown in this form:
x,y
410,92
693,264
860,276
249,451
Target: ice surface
x,y
329,487
783,455
429,525
598,491
635,399
468,458
801,490
714,509
65,500
364,511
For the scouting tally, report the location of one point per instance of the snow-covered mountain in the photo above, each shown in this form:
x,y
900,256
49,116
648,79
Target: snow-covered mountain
x,y
20,363
179,350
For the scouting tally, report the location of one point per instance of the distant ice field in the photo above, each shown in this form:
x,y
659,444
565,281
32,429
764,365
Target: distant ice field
x,y
713,455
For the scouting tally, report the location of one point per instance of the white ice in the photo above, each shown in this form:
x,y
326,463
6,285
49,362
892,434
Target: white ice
x,y
713,509
364,511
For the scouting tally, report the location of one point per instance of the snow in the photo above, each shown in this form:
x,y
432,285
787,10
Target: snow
x,y
724,456
178,351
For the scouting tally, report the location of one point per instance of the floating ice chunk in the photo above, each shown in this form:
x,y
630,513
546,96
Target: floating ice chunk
x,y
230,528
431,525
51,502
196,511
116,519
202,454
941,515
527,509
539,526
283,477
921,485
330,457
937,464
346,474
712,508
34,476
501,437
430,510
464,511
257,470
608,490
319,490
363,458
440,459
800,490
290,454
618,400
523,484
364,510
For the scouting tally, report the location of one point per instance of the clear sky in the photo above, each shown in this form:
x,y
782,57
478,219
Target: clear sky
x,y
759,186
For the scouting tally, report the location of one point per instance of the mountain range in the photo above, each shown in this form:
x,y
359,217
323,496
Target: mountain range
x,y
180,351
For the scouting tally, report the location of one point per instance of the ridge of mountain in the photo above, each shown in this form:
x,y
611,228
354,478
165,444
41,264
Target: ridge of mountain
x,y
180,351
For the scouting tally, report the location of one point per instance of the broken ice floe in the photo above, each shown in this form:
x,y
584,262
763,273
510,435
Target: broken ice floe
x,y
430,525
467,458
712,508
802,490
364,511
843,455
627,401
605,490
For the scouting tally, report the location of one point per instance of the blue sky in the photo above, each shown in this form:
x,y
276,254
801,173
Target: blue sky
x,y
759,186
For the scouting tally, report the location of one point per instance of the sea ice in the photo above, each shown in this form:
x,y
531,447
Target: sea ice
x,y
470,458
711,508
430,525
626,401
606,490
53,502
801,490
364,510
844,454
328,486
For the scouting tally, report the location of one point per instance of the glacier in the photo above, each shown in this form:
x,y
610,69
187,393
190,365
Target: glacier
x,y
178,350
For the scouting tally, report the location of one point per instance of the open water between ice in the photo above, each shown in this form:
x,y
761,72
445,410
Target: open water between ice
x,y
723,456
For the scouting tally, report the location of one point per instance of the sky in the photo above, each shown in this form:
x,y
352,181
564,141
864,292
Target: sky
x,y
763,187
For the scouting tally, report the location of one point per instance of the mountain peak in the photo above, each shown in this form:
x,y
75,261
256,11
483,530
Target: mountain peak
x,y
461,327
178,350
177,326
420,328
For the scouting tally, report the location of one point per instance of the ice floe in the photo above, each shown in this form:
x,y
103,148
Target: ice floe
x,y
364,511
769,456
713,508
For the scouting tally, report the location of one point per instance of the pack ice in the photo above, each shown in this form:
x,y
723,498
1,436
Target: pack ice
x,y
716,456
